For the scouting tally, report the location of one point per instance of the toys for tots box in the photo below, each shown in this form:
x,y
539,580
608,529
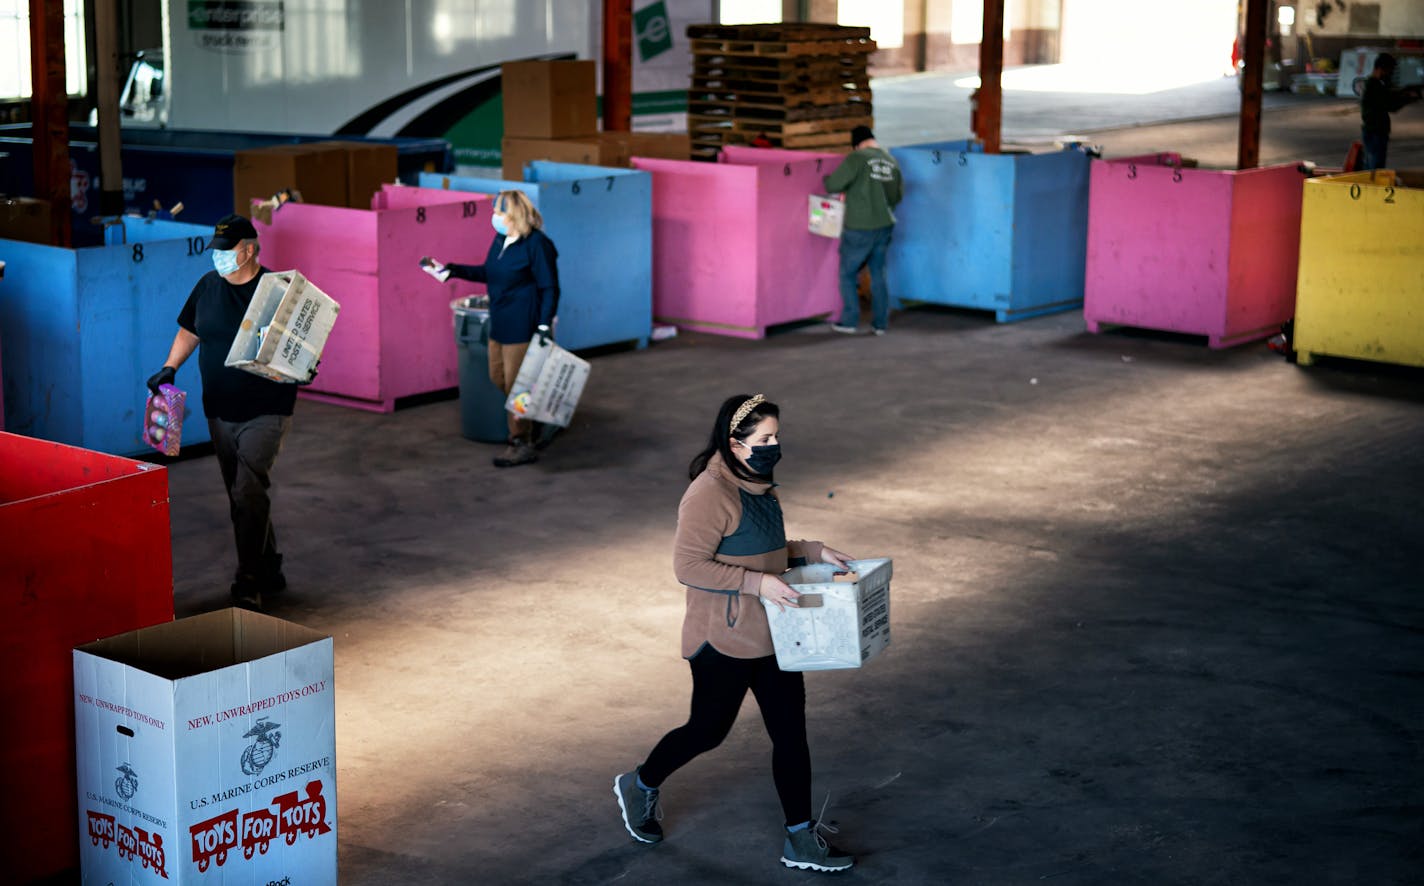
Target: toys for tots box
x,y
207,753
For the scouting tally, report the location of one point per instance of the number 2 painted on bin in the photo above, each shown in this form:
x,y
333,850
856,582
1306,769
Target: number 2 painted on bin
x,y
1389,195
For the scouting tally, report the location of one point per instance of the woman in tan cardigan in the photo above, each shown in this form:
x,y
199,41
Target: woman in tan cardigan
x,y
730,550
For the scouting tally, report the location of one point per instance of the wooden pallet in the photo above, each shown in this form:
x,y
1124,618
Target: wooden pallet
x,y
784,31
745,111
768,101
767,49
779,88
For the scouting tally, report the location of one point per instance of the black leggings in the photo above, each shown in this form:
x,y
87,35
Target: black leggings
x,y
719,683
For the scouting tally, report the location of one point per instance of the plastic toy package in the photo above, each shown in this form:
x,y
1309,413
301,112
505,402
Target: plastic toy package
x,y
163,419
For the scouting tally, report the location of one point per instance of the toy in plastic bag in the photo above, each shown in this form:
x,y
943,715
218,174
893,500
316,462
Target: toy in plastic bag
x,y
163,419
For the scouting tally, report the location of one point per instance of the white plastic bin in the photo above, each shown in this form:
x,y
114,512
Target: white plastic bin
x,y
851,624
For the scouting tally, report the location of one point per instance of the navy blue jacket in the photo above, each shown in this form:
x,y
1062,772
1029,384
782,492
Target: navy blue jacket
x,y
523,283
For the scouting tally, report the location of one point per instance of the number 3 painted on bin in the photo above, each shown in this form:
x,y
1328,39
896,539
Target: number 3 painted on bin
x,y
934,157
1132,170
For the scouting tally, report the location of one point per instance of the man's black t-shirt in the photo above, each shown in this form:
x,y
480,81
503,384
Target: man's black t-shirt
x,y
214,313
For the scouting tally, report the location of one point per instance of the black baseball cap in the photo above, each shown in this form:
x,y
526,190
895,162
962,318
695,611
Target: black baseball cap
x,y
232,230
1385,61
860,134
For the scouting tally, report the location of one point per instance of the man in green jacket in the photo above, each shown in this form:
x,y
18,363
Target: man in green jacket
x,y
870,179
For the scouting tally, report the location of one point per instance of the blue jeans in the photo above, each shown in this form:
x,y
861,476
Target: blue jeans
x,y
859,248
1376,146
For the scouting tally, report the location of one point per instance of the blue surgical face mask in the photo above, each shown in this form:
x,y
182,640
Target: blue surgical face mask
x,y
500,224
225,260
762,459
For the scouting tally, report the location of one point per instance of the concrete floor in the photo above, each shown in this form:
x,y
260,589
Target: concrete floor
x,y
1156,616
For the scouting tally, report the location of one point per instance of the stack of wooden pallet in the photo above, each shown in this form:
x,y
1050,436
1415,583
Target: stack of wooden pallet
x,y
790,85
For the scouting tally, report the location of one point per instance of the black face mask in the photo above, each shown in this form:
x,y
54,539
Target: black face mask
x,y
764,458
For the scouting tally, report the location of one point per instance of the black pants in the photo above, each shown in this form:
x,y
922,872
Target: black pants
x,y
246,452
719,683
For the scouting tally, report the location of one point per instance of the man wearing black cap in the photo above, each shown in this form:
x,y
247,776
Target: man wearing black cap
x,y
247,414
870,179
1378,100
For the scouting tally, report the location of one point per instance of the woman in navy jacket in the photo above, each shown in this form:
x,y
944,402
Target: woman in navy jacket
x,y
522,276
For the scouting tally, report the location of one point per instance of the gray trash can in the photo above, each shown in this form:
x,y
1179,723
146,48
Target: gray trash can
x,y
481,403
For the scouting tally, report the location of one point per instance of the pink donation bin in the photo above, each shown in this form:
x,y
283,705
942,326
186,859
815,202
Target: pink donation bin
x,y
393,339
85,552
1198,251
734,255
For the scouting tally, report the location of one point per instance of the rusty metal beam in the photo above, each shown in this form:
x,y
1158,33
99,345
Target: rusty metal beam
x,y
617,65
989,98
49,115
1248,148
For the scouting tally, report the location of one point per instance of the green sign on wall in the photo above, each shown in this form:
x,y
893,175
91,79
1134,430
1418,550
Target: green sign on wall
x,y
653,29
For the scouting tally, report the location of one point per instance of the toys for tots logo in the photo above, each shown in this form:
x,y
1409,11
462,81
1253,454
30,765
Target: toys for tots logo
x,y
134,843
254,831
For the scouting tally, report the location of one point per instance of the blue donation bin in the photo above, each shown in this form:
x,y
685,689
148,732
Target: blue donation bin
x,y
81,330
601,221
1006,233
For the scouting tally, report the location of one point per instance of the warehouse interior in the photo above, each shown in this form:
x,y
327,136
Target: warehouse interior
x,y
1156,612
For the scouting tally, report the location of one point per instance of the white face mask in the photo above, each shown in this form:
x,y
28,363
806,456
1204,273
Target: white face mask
x,y
225,261
500,224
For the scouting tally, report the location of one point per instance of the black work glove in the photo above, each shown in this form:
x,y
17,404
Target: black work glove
x,y
163,376
302,384
543,334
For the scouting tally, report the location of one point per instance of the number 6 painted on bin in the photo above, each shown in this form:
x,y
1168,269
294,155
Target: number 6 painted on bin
x,y
576,188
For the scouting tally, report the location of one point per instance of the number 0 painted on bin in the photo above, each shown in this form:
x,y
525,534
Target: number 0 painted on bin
x,y
1354,192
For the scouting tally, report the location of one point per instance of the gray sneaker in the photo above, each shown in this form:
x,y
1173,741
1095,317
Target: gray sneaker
x,y
519,452
808,850
640,808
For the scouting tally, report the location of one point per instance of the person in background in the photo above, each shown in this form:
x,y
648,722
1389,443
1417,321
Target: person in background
x,y
870,179
248,415
729,553
1378,100
522,275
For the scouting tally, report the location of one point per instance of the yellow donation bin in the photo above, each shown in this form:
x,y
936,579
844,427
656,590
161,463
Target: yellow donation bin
x,y
1360,289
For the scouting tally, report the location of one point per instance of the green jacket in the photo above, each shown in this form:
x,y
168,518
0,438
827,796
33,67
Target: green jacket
x,y
870,180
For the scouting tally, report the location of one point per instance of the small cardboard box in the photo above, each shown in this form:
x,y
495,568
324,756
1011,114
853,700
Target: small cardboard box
x,y
549,384
318,170
207,753
600,149
659,145
368,166
285,328
827,216
25,218
550,99
841,626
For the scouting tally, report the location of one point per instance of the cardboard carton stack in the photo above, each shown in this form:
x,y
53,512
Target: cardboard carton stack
x,y
332,173
801,85
551,113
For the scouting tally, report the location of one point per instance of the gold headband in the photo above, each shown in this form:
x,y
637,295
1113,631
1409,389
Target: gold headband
x,y
746,409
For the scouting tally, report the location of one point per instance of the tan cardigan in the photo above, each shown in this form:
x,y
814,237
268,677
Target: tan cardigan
x,y
720,554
